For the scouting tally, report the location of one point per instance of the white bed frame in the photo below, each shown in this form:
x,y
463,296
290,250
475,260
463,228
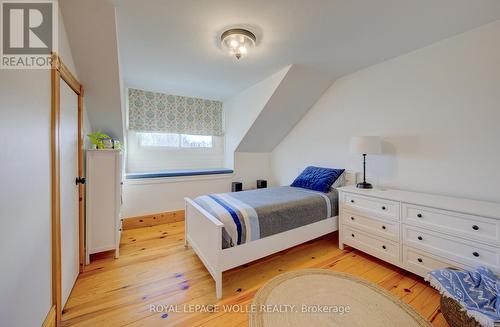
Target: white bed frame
x,y
203,232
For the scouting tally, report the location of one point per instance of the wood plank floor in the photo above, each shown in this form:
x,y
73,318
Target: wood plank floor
x,y
154,268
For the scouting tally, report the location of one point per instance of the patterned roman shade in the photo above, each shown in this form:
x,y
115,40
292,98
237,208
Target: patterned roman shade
x,y
159,112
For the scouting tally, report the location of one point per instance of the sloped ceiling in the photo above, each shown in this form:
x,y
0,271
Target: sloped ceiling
x,y
298,91
91,29
173,45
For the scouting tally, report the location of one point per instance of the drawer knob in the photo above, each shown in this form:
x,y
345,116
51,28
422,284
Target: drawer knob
x,y
352,201
352,235
383,227
475,254
419,215
475,227
383,208
383,247
420,238
420,260
352,218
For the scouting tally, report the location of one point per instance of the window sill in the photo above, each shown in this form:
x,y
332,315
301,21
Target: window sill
x,y
177,175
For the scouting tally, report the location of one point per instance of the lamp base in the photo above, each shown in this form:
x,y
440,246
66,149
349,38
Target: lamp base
x,y
364,185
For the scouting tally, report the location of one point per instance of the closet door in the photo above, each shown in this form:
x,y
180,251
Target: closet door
x,y
69,190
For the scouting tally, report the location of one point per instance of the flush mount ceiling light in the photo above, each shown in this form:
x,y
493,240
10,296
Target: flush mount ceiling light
x,y
238,41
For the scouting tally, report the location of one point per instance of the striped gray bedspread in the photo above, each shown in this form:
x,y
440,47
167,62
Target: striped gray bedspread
x,y
255,214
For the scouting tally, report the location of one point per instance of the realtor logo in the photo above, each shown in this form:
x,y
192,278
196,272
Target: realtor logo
x,y
28,34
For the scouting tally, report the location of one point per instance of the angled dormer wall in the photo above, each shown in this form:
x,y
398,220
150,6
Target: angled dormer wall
x,y
95,51
243,109
258,118
298,91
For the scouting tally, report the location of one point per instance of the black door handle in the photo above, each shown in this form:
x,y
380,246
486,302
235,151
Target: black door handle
x,y
80,180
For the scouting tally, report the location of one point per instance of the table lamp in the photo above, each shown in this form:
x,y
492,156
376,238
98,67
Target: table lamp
x,y
365,145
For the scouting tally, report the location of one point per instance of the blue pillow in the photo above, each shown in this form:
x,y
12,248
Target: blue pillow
x,y
317,178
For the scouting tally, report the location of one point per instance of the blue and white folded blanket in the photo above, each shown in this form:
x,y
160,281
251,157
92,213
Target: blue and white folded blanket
x,y
477,291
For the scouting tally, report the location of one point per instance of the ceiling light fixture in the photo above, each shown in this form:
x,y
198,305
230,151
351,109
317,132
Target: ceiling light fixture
x,y
238,41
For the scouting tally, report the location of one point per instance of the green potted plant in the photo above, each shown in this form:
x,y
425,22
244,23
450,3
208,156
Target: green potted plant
x,y
97,139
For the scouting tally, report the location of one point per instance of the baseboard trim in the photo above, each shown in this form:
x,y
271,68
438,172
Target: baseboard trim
x,y
153,219
50,320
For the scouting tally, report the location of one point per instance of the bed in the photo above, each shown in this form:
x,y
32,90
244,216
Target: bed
x,y
230,229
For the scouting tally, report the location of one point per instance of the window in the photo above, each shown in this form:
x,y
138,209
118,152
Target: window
x,y
169,132
196,141
173,140
159,151
159,139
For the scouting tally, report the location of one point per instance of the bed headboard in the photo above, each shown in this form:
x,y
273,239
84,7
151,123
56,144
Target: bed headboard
x,y
350,177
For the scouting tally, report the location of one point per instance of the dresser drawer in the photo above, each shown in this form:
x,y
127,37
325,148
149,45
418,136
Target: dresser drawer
x,y
420,262
470,227
384,228
379,247
380,207
461,250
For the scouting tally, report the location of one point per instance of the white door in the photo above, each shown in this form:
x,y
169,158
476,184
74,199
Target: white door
x,y
69,190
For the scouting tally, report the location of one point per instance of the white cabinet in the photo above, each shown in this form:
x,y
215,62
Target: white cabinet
x,y
104,200
420,232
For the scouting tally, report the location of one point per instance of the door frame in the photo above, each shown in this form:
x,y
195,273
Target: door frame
x,y
60,71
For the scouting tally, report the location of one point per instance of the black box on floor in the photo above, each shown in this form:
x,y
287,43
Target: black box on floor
x,y
237,187
261,183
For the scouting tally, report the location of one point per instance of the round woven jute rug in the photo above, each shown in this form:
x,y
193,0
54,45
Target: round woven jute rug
x,y
318,297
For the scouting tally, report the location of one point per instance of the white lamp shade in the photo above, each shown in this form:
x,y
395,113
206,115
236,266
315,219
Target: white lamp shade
x,y
366,145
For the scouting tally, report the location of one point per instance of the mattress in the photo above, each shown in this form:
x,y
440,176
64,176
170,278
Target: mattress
x,y
251,215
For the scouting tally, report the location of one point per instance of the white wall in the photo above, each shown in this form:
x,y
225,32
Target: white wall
x,y
143,197
148,196
437,109
25,174
241,111
25,236
251,166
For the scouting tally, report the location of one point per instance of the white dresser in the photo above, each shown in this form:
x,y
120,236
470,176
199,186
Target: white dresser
x,y
104,201
420,232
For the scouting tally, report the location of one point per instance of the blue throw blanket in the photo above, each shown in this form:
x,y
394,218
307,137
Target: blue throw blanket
x,y
477,291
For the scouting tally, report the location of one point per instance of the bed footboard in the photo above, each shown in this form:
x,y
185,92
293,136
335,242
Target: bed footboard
x,y
203,233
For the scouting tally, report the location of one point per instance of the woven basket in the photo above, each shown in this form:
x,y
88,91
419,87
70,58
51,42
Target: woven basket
x,y
452,312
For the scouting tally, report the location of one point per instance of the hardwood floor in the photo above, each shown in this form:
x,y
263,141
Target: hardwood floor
x,y
154,268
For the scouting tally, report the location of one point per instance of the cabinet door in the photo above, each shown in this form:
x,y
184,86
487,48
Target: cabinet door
x,y
102,201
